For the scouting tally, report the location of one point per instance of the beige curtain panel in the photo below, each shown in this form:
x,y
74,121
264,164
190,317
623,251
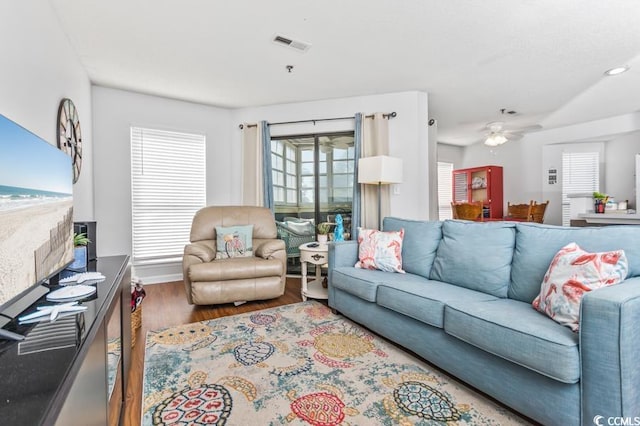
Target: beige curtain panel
x,y
375,141
252,191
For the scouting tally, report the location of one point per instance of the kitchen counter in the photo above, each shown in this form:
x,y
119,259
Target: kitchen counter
x,y
611,218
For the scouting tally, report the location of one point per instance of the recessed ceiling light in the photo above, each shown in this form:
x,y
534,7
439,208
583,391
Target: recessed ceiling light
x,y
616,71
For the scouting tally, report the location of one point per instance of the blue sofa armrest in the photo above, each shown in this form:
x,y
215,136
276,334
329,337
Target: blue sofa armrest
x,y
609,351
341,253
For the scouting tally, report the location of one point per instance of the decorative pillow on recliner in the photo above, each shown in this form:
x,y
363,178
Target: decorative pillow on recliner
x,y
380,250
572,273
234,241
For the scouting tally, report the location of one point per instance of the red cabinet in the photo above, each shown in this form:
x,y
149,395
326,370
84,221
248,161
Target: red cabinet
x,y
480,184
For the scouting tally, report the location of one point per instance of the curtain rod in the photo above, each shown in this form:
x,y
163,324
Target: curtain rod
x,y
387,115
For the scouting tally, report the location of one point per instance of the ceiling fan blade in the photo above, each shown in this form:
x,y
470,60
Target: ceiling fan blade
x,y
513,136
494,126
523,129
496,133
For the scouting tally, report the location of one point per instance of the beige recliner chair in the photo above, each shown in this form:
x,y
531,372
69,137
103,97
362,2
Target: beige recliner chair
x,y
210,281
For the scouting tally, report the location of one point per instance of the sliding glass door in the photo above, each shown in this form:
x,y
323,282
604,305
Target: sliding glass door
x,y
313,177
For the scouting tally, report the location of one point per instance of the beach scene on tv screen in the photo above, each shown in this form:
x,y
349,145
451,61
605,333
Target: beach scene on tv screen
x,y
36,209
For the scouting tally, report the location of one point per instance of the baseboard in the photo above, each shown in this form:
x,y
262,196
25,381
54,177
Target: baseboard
x,y
159,279
158,273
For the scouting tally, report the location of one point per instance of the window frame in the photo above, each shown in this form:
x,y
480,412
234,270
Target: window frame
x,y
320,163
285,187
168,185
581,155
445,189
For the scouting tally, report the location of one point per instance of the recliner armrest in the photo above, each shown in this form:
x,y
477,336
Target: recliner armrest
x,y
201,250
266,249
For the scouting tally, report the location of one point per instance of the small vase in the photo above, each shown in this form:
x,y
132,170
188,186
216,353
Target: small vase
x,y
322,238
80,259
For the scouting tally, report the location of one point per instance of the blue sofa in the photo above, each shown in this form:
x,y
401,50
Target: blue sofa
x,y
464,304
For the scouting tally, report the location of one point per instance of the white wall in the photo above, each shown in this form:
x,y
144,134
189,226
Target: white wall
x,y
620,169
552,159
605,130
451,154
39,69
617,169
408,137
524,165
115,111
518,185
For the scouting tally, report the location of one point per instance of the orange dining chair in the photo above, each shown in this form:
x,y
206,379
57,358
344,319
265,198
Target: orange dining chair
x,y
467,211
538,210
520,212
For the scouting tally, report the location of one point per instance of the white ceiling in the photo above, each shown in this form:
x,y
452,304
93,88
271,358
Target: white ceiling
x,y
542,58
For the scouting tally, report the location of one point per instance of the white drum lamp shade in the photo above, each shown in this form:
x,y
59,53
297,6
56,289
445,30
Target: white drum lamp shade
x,y
379,170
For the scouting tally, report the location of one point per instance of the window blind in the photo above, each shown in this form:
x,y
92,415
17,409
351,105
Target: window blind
x,y
445,190
580,174
168,186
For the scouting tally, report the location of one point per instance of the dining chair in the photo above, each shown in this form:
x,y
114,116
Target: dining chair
x,y
520,212
468,211
538,210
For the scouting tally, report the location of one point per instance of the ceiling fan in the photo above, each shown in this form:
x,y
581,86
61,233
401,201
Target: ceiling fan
x,y
335,142
497,133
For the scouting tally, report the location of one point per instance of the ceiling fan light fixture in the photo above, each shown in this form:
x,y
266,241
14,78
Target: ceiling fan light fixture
x,y
495,139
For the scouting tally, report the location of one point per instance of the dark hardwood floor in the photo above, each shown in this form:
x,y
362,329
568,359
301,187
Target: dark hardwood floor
x,y
166,305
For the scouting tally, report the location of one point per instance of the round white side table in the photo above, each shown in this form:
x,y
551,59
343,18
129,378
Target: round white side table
x,y
317,256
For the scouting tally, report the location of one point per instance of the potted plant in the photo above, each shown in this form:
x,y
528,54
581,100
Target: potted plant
x,y
323,231
80,242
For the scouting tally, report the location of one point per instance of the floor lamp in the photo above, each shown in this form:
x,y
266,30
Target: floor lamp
x,y
379,170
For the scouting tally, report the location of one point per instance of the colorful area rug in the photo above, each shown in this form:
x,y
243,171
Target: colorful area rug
x,y
298,364
113,360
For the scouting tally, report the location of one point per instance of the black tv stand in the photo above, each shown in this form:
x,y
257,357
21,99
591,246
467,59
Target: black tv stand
x,y
60,374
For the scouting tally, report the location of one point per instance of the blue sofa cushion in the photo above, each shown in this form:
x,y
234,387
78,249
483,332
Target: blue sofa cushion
x,y
516,332
360,282
476,255
422,299
536,245
420,243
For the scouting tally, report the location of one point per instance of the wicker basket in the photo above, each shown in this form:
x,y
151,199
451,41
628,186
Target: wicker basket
x,y
136,323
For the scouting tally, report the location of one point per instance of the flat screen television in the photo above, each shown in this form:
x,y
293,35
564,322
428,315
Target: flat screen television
x,y
36,216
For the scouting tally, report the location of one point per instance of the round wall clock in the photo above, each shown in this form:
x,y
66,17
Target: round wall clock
x,y
69,134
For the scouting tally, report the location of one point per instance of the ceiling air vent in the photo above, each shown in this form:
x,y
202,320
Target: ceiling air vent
x,y
298,45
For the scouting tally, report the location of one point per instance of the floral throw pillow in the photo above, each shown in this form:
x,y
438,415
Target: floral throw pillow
x,y
380,250
234,241
572,273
